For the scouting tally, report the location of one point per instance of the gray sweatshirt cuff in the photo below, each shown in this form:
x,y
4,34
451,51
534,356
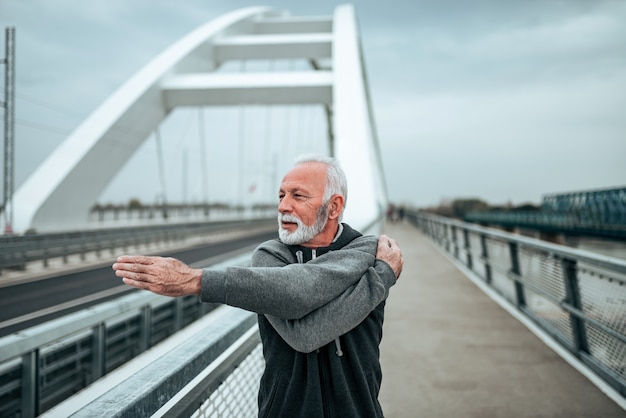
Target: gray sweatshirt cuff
x,y
387,272
213,286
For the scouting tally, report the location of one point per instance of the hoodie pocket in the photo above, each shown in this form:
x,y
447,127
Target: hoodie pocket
x,y
268,404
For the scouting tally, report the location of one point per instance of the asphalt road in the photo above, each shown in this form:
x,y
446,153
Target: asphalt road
x,y
27,304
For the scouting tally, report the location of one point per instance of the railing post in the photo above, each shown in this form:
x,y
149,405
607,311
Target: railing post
x,y
572,290
146,328
30,384
65,249
455,245
178,313
485,256
444,233
517,274
98,351
467,248
83,249
45,258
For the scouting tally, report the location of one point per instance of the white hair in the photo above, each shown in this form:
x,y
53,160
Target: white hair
x,y
336,182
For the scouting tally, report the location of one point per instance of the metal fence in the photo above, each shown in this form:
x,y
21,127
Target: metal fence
x,y
210,369
45,364
16,251
577,297
227,388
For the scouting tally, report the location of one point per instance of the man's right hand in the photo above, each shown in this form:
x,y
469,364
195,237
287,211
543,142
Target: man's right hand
x,y
161,275
389,251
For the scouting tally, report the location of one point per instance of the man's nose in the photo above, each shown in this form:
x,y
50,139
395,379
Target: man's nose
x,y
284,205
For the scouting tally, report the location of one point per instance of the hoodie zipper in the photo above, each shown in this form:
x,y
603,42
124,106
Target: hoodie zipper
x,y
338,350
324,366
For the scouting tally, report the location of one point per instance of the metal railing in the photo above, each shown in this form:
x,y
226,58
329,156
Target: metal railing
x,y
16,251
45,364
577,297
212,368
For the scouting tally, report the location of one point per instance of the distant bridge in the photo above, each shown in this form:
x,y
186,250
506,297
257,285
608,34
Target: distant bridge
x,y
600,213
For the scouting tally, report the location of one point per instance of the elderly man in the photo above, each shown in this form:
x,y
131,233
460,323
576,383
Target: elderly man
x,y
319,290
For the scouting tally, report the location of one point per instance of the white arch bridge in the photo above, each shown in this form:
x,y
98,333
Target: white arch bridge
x,y
190,73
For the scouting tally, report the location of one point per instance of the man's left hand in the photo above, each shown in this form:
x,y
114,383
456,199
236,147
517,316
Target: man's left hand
x,y
389,251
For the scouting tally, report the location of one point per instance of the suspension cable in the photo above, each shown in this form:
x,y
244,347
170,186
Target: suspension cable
x,y
161,166
242,124
203,162
268,141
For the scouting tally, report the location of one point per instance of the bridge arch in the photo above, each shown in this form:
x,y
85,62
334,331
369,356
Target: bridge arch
x,y
59,194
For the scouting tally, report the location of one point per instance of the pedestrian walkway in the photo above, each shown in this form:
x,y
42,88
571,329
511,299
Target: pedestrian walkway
x,y
449,350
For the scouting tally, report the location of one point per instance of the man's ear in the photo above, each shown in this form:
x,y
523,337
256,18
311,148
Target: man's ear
x,y
335,206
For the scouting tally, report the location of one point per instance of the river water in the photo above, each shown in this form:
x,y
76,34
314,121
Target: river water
x,y
612,248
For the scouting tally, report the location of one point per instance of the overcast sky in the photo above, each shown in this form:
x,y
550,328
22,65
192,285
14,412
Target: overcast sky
x,y
506,101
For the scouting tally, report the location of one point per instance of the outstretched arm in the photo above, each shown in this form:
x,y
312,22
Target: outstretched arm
x,y
168,276
290,291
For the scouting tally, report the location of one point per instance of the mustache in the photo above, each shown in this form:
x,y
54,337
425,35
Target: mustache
x,y
289,218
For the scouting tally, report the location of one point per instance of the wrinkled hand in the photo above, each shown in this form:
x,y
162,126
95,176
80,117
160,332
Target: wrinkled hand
x,y
161,275
389,251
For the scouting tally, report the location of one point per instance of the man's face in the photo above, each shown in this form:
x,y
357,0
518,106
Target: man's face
x,y
301,212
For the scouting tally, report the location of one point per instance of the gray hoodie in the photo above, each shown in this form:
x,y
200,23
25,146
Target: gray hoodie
x,y
306,299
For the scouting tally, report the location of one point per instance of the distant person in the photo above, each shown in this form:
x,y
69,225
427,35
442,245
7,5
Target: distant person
x,y
319,290
401,211
391,213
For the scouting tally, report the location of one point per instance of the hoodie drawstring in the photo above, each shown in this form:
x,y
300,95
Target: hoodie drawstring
x,y
338,346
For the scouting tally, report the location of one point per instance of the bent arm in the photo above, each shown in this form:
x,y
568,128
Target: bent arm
x,y
340,315
288,291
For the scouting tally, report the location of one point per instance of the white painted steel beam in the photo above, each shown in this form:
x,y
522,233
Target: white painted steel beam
x,y
284,46
294,24
276,88
356,142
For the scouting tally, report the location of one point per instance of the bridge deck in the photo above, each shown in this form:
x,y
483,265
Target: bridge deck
x,y
449,350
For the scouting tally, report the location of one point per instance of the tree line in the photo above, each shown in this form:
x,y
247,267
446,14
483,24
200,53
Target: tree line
x,y
458,208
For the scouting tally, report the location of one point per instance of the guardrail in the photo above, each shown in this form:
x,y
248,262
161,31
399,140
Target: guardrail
x,y
45,364
16,251
227,387
211,369
577,297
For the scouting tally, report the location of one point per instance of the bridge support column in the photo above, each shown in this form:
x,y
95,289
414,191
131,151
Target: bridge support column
x,y
554,237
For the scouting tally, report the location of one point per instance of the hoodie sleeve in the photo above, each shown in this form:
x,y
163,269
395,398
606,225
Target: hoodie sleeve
x,y
288,291
340,315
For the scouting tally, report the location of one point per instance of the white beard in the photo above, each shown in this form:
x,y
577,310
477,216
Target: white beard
x,y
303,233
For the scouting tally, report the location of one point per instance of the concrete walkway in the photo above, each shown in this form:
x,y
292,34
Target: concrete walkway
x,y
450,351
